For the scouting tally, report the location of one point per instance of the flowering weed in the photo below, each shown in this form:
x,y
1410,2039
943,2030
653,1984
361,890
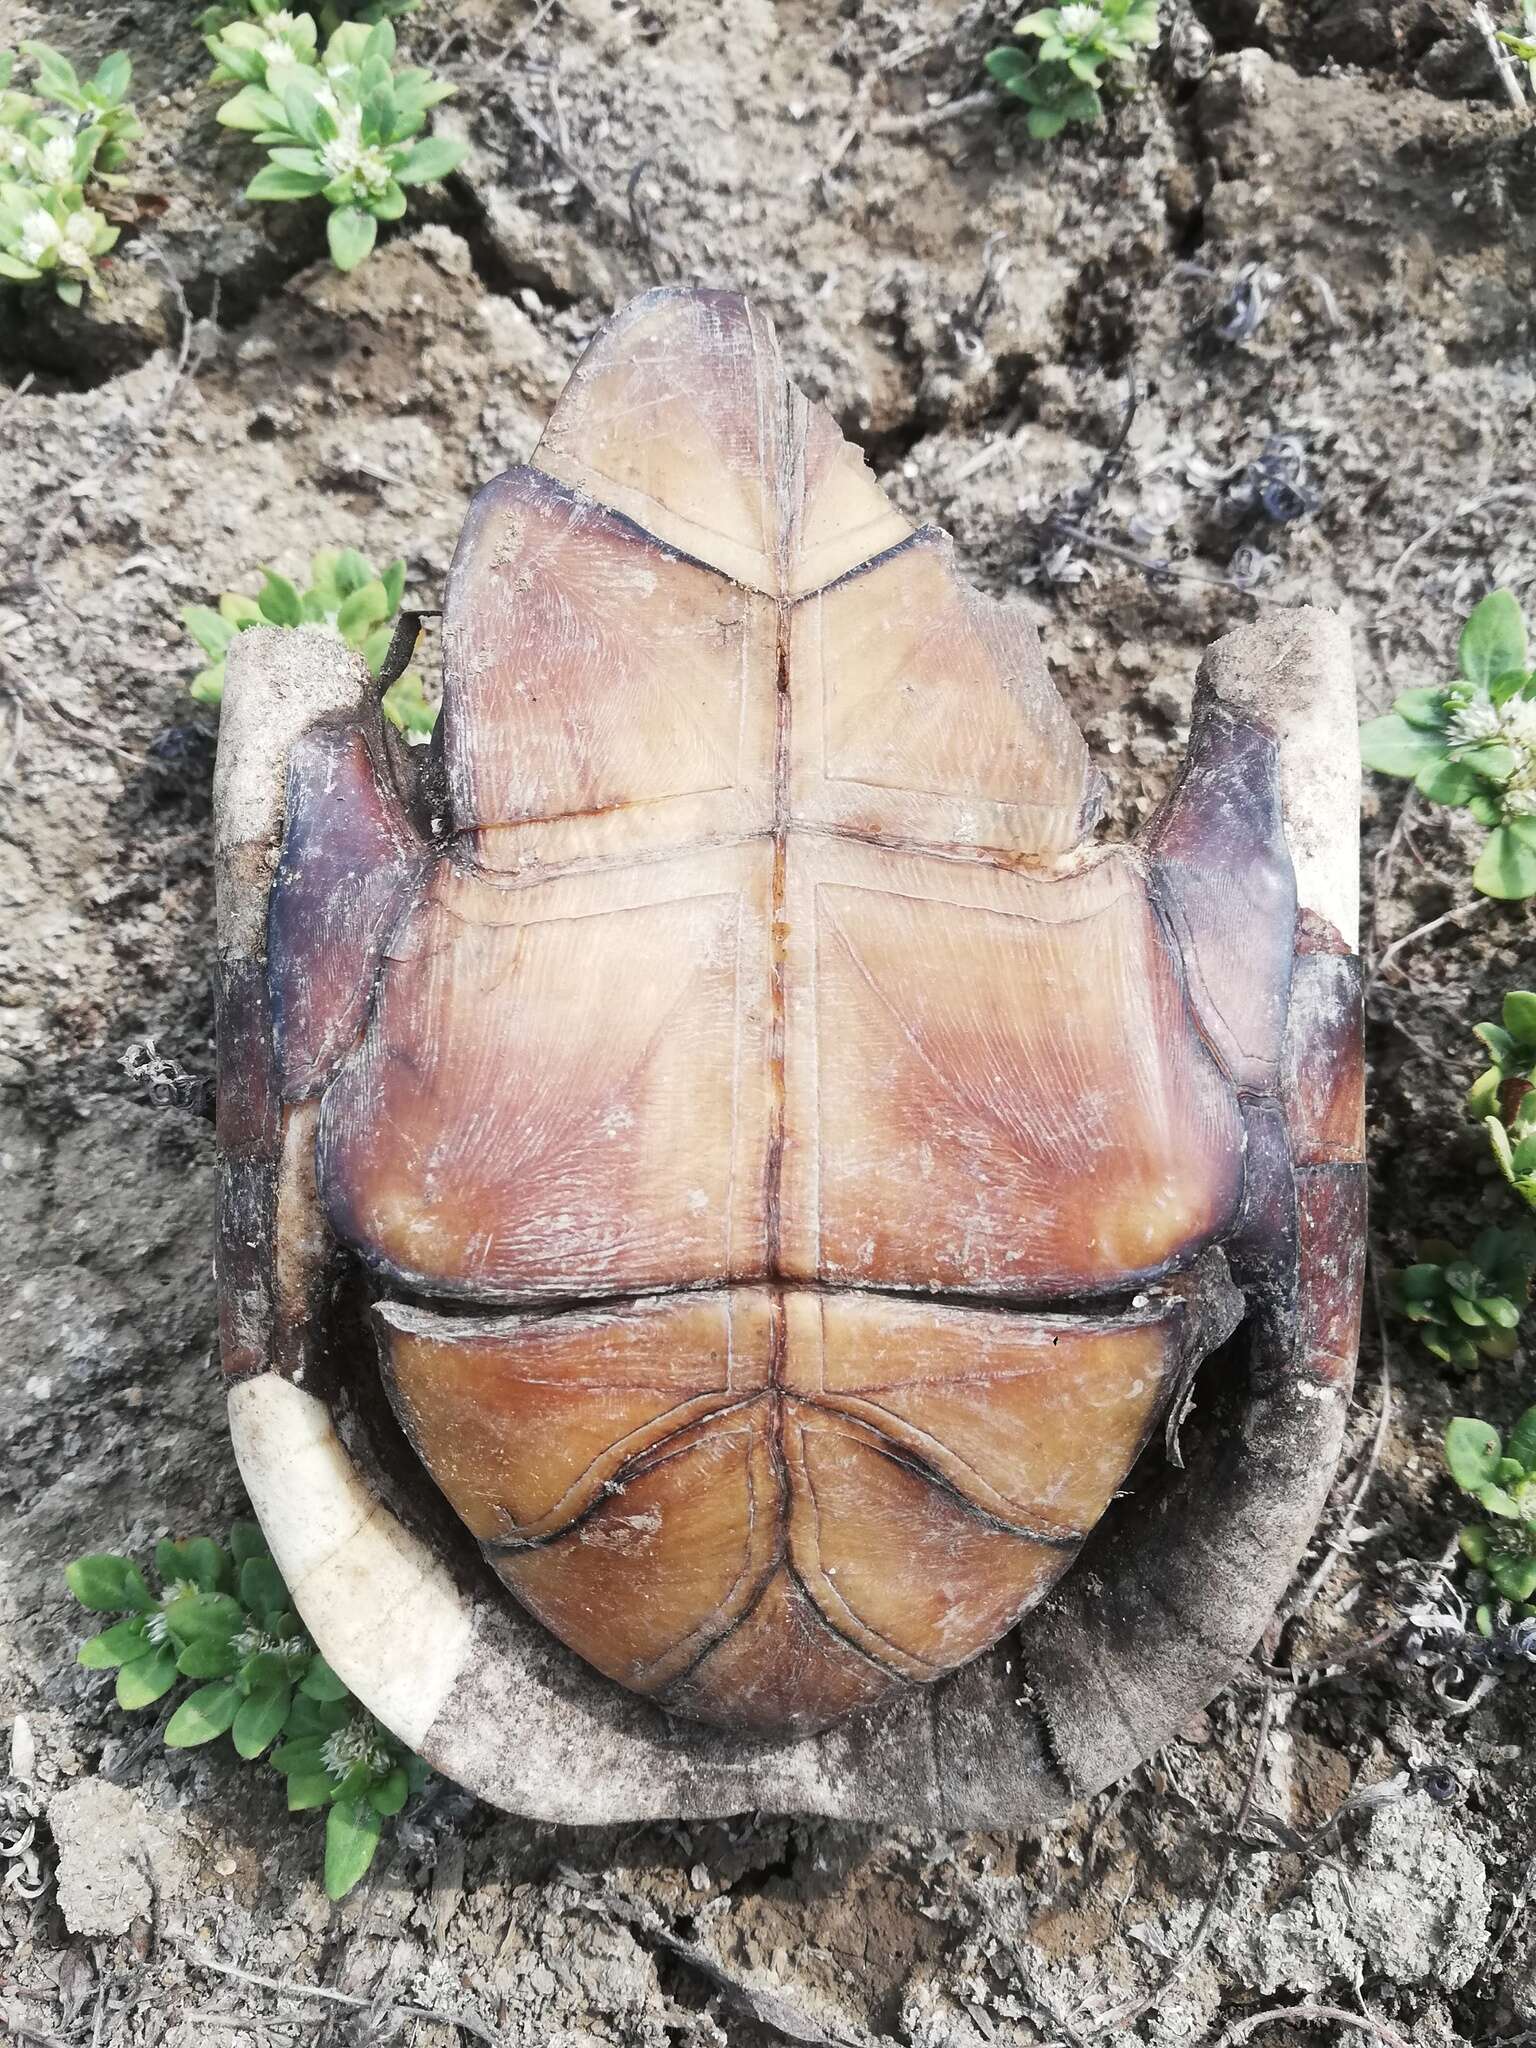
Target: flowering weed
x,y
1062,79
57,139
1471,744
339,123
224,1617
345,597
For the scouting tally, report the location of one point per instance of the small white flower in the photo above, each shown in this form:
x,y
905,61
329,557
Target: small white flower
x,y
1474,725
14,151
356,1743
75,249
58,158
348,156
40,236
1079,22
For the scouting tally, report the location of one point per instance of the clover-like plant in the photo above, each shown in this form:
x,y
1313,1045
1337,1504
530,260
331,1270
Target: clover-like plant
x,y
1503,1097
1062,79
1468,1306
55,141
223,1617
1501,1478
345,597
1471,744
342,125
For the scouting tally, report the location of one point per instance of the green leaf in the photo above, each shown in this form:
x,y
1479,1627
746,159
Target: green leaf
x,y
56,76
245,1538
308,1789
203,1617
147,1678
390,1794
1515,1577
1468,1312
203,1716
430,159
1492,641
261,1718
1500,1043
306,160
1499,1311
364,608
209,1657
1522,1441
1472,1452
1393,747
1474,1544
261,1586
120,1644
304,1753
109,1585
1506,867
1421,1283
1005,64
252,111
393,580
302,110
351,234
351,1841
318,1717
1448,782
279,600
1495,762
1497,1502
241,612
1424,709
1519,1015
321,1683
13,267
201,1561
113,75
1044,122
278,181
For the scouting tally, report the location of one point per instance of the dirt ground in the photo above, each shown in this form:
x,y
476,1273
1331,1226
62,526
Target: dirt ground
x,y
975,309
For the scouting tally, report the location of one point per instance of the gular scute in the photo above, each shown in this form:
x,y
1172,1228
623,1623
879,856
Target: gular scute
x,y
792,1166
641,1473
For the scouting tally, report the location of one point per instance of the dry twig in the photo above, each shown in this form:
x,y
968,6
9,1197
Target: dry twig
x,y
287,1989
1310,2015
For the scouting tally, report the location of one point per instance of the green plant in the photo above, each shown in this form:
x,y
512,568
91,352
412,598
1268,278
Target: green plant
x,y
1061,81
223,1617
1501,1478
1503,1097
1472,744
1524,44
48,229
1468,1306
331,14
342,125
345,597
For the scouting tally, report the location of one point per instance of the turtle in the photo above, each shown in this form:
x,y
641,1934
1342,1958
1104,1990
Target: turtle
x,y
762,1260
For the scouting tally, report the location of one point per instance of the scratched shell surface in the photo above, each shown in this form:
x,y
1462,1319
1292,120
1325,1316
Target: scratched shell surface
x,y
764,990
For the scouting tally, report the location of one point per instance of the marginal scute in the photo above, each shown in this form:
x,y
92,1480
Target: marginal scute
x,y
348,861
1223,876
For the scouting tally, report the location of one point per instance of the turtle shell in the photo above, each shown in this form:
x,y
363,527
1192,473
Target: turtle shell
x,y
790,1162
